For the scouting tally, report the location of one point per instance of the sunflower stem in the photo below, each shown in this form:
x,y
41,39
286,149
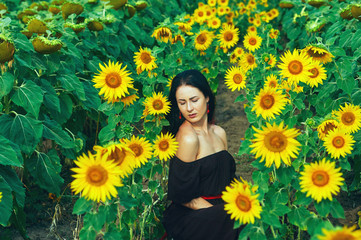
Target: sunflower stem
x,y
273,232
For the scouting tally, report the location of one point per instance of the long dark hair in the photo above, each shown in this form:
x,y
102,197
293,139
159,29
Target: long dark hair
x,y
192,78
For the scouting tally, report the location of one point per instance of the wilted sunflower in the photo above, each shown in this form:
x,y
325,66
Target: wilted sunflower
x,y
318,54
349,117
269,102
338,142
318,74
129,100
275,143
252,42
296,66
144,60
228,36
165,146
272,61
113,81
96,177
163,34
214,23
184,27
157,104
120,154
241,203
203,40
338,233
235,78
271,81
320,180
247,62
178,38
325,127
141,147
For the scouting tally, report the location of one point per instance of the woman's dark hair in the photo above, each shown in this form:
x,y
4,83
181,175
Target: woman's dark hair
x,y
192,78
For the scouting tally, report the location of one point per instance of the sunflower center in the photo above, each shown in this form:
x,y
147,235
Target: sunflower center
x,y
273,84
157,104
137,149
348,118
315,54
164,33
250,59
243,203
145,57
342,236
237,78
275,141
267,101
113,80
295,67
228,36
252,41
202,38
314,72
163,145
338,142
97,175
118,155
215,23
208,13
320,178
200,14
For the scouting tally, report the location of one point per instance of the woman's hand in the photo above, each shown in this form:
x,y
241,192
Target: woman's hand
x,y
198,203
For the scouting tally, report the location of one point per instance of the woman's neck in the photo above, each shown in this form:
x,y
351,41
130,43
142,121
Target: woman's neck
x,y
201,125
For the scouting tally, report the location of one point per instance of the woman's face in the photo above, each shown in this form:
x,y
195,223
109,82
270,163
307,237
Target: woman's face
x,y
191,103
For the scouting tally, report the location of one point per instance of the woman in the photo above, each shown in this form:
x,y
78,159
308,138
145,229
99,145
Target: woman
x,y
202,167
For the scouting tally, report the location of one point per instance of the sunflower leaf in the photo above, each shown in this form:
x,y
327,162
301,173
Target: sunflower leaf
x,y
8,155
6,203
6,83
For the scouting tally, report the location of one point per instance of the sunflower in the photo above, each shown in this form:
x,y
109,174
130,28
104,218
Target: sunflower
x,y
248,61
113,81
163,34
349,117
1,196
269,102
144,60
200,15
235,78
178,38
129,100
275,143
223,2
338,142
338,233
141,148
296,66
318,54
157,104
238,51
271,81
221,11
325,127
121,155
205,71
252,42
169,83
228,36
318,74
272,61
212,3
184,27
233,58
320,180
96,177
203,40
214,23
165,146
241,203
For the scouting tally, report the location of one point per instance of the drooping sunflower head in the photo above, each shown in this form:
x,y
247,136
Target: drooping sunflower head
x,y
252,42
228,36
144,60
129,100
203,40
325,127
275,143
338,233
321,179
318,74
178,38
184,26
269,102
271,81
241,203
141,148
247,61
235,78
165,146
338,142
162,34
157,104
349,117
113,81
96,177
318,54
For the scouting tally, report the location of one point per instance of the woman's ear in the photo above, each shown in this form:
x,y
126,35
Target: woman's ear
x,y
207,99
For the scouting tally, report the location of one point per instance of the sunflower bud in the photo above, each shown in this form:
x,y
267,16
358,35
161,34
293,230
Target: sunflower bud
x,y
356,11
141,5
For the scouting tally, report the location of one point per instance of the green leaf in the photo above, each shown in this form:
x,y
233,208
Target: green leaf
x,y
126,200
45,168
345,38
14,182
128,114
301,199
92,97
240,98
29,96
6,203
51,99
66,109
299,217
346,84
323,207
299,103
72,83
281,210
337,210
6,83
87,233
261,179
82,205
285,174
106,134
279,197
244,148
53,131
96,220
23,43
22,130
271,219
8,155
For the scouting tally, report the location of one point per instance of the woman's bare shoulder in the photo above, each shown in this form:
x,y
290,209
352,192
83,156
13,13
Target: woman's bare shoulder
x,y
221,133
188,143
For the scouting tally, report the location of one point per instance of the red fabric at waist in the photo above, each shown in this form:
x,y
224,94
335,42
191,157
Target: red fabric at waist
x,y
212,197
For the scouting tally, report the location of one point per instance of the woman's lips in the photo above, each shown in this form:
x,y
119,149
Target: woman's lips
x,y
192,115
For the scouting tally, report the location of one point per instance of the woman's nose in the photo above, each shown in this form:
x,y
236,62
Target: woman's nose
x,y
189,107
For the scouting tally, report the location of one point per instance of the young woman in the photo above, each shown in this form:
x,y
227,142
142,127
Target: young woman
x,y
202,167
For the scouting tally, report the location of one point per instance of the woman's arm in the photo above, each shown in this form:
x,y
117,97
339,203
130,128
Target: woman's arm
x,y
197,203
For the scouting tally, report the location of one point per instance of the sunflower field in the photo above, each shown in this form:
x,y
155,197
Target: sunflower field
x,y
83,105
